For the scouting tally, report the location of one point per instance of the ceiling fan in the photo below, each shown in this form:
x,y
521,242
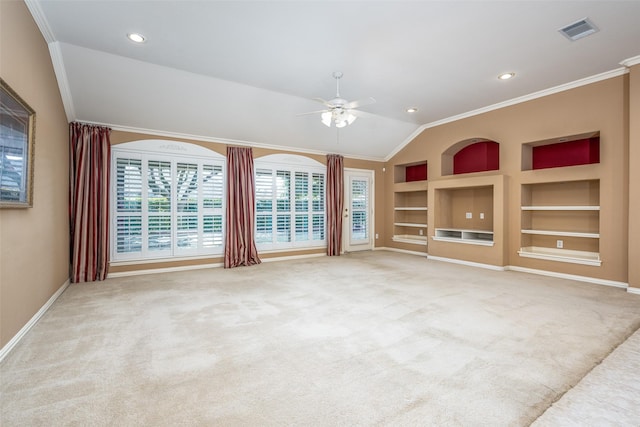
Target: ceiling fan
x,y
340,111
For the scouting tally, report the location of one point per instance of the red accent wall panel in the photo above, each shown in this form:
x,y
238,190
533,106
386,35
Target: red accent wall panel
x,y
572,153
416,173
479,157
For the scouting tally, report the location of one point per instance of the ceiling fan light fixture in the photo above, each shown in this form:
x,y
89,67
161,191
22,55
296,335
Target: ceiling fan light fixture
x,y
326,118
351,118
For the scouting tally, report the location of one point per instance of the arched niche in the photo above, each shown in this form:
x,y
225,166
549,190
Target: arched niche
x,y
471,155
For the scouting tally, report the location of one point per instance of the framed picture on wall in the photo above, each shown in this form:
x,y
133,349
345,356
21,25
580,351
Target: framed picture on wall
x,y
17,139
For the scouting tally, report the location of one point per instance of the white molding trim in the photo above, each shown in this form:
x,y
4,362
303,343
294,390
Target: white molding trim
x,y
468,263
630,62
161,260
587,279
402,251
293,257
22,332
406,142
545,92
633,290
163,270
226,141
199,266
41,21
63,82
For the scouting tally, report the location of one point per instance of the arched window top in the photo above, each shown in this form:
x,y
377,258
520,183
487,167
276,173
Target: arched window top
x,y
168,147
290,159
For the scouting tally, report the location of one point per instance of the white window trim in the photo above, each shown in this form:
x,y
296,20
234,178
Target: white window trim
x,y
174,151
292,163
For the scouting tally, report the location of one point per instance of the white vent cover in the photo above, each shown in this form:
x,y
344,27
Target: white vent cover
x,y
579,29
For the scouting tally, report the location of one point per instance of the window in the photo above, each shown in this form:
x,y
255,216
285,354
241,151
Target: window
x,y
166,204
290,202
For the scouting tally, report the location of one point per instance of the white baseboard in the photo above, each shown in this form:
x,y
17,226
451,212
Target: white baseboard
x,y
469,263
402,251
290,257
633,290
587,279
163,270
202,266
22,332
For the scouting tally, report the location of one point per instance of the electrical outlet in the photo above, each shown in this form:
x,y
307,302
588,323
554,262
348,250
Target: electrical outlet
x,y
421,232
377,235
481,215
469,215
559,244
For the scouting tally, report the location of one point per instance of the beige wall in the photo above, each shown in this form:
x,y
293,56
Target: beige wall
x,y
34,243
601,106
118,137
634,176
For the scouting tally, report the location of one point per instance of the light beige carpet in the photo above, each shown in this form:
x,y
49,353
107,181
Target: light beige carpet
x,y
375,338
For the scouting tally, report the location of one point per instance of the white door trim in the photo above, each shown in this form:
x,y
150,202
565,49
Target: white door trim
x,y
346,232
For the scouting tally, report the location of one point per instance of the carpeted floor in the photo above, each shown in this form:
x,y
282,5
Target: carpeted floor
x,y
363,339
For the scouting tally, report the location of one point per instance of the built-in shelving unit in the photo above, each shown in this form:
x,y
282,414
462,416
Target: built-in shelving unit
x,y
465,215
455,235
574,150
410,203
561,221
471,155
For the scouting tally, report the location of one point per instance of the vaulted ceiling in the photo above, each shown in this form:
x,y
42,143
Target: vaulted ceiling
x,y
242,71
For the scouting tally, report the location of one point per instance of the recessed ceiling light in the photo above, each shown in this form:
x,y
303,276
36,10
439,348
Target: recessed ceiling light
x,y
135,37
412,110
506,76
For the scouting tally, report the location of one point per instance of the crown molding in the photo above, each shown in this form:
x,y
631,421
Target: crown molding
x,y
630,62
226,141
41,21
63,82
406,142
546,92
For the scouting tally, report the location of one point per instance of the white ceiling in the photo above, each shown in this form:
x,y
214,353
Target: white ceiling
x,y
242,71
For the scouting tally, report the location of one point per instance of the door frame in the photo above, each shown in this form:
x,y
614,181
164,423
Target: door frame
x,y
370,173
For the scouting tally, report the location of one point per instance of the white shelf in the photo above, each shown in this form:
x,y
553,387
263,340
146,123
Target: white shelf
x,y
562,233
560,208
410,224
471,237
411,208
410,238
561,255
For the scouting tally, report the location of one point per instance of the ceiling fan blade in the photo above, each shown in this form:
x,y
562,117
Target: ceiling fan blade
x,y
360,103
360,113
323,101
312,112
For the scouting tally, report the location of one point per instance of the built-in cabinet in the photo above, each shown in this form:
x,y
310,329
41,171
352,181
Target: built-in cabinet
x,y
561,221
466,211
464,215
410,203
467,219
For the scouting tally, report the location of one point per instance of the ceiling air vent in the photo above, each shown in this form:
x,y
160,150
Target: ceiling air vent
x,y
579,29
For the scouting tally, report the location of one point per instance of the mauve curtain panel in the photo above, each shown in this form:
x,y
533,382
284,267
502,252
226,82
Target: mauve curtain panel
x,y
240,246
335,201
89,160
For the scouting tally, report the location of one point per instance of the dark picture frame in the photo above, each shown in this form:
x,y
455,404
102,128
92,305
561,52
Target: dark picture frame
x,y
17,143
